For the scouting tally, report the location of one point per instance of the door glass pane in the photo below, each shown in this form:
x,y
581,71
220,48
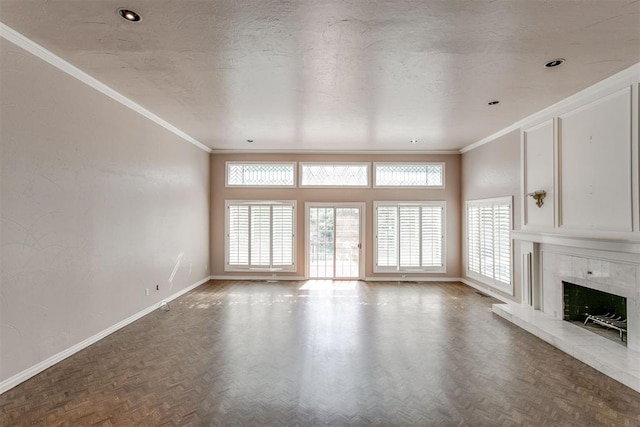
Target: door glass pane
x,y
321,242
347,241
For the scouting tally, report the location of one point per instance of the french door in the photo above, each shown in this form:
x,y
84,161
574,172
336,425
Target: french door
x,y
334,240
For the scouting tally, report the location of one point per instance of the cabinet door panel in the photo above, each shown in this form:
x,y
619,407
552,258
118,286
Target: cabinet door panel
x,y
595,165
538,156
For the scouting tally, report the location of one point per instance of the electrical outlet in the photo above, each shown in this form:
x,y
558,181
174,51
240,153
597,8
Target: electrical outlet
x,y
146,292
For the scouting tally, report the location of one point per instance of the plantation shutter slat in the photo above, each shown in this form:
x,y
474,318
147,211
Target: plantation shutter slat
x,y
473,218
502,242
260,235
431,236
387,220
409,236
282,240
486,241
238,235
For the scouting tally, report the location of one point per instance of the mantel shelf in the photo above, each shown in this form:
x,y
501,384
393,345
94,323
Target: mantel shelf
x,y
618,242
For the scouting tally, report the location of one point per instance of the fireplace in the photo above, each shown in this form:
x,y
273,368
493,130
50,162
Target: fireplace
x,y
559,275
598,311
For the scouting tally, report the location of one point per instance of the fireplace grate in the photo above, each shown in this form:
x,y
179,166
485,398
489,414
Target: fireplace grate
x,y
611,321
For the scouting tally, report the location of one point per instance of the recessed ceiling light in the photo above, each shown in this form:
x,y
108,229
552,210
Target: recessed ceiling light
x,y
129,15
496,102
249,141
414,141
554,63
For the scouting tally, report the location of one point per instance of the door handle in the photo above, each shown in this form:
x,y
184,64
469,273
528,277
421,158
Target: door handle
x,y
359,245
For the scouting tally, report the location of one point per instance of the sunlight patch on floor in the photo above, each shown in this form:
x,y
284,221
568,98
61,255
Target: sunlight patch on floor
x,y
329,285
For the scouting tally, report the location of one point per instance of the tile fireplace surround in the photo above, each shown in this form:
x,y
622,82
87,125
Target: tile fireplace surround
x,y
607,265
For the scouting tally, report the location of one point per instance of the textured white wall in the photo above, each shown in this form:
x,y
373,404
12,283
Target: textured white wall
x,y
97,203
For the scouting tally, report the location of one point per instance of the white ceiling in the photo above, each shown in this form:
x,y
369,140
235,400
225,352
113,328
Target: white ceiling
x,y
339,74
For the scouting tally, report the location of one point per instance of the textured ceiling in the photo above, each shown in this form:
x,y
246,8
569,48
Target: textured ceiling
x,y
341,74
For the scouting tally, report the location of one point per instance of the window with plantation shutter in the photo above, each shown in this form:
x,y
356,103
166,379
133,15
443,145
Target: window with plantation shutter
x,y
260,235
409,236
488,228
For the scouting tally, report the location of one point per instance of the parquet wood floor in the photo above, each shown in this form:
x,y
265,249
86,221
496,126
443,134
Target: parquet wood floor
x,y
241,353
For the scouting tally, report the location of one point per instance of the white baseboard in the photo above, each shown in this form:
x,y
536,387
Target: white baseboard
x,y
36,369
486,290
257,278
367,279
411,279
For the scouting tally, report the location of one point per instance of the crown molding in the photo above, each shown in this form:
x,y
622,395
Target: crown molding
x,y
32,47
413,152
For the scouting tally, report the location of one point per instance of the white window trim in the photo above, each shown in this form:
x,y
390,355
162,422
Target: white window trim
x,y
226,174
441,269
501,286
234,268
434,187
302,164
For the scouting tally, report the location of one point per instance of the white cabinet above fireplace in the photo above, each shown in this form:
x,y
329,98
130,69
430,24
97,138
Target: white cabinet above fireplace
x,y
594,166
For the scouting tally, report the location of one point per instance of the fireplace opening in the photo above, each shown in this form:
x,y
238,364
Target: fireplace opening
x,y
597,311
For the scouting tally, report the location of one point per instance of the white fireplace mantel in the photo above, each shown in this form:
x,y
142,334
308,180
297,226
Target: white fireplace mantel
x,y
626,243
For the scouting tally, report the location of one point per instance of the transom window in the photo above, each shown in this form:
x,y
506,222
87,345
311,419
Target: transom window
x,y
334,174
261,174
260,235
408,175
409,236
488,227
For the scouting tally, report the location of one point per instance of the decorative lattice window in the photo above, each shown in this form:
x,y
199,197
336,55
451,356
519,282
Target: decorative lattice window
x,y
409,175
334,174
261,174
488,228
409,236
260,235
